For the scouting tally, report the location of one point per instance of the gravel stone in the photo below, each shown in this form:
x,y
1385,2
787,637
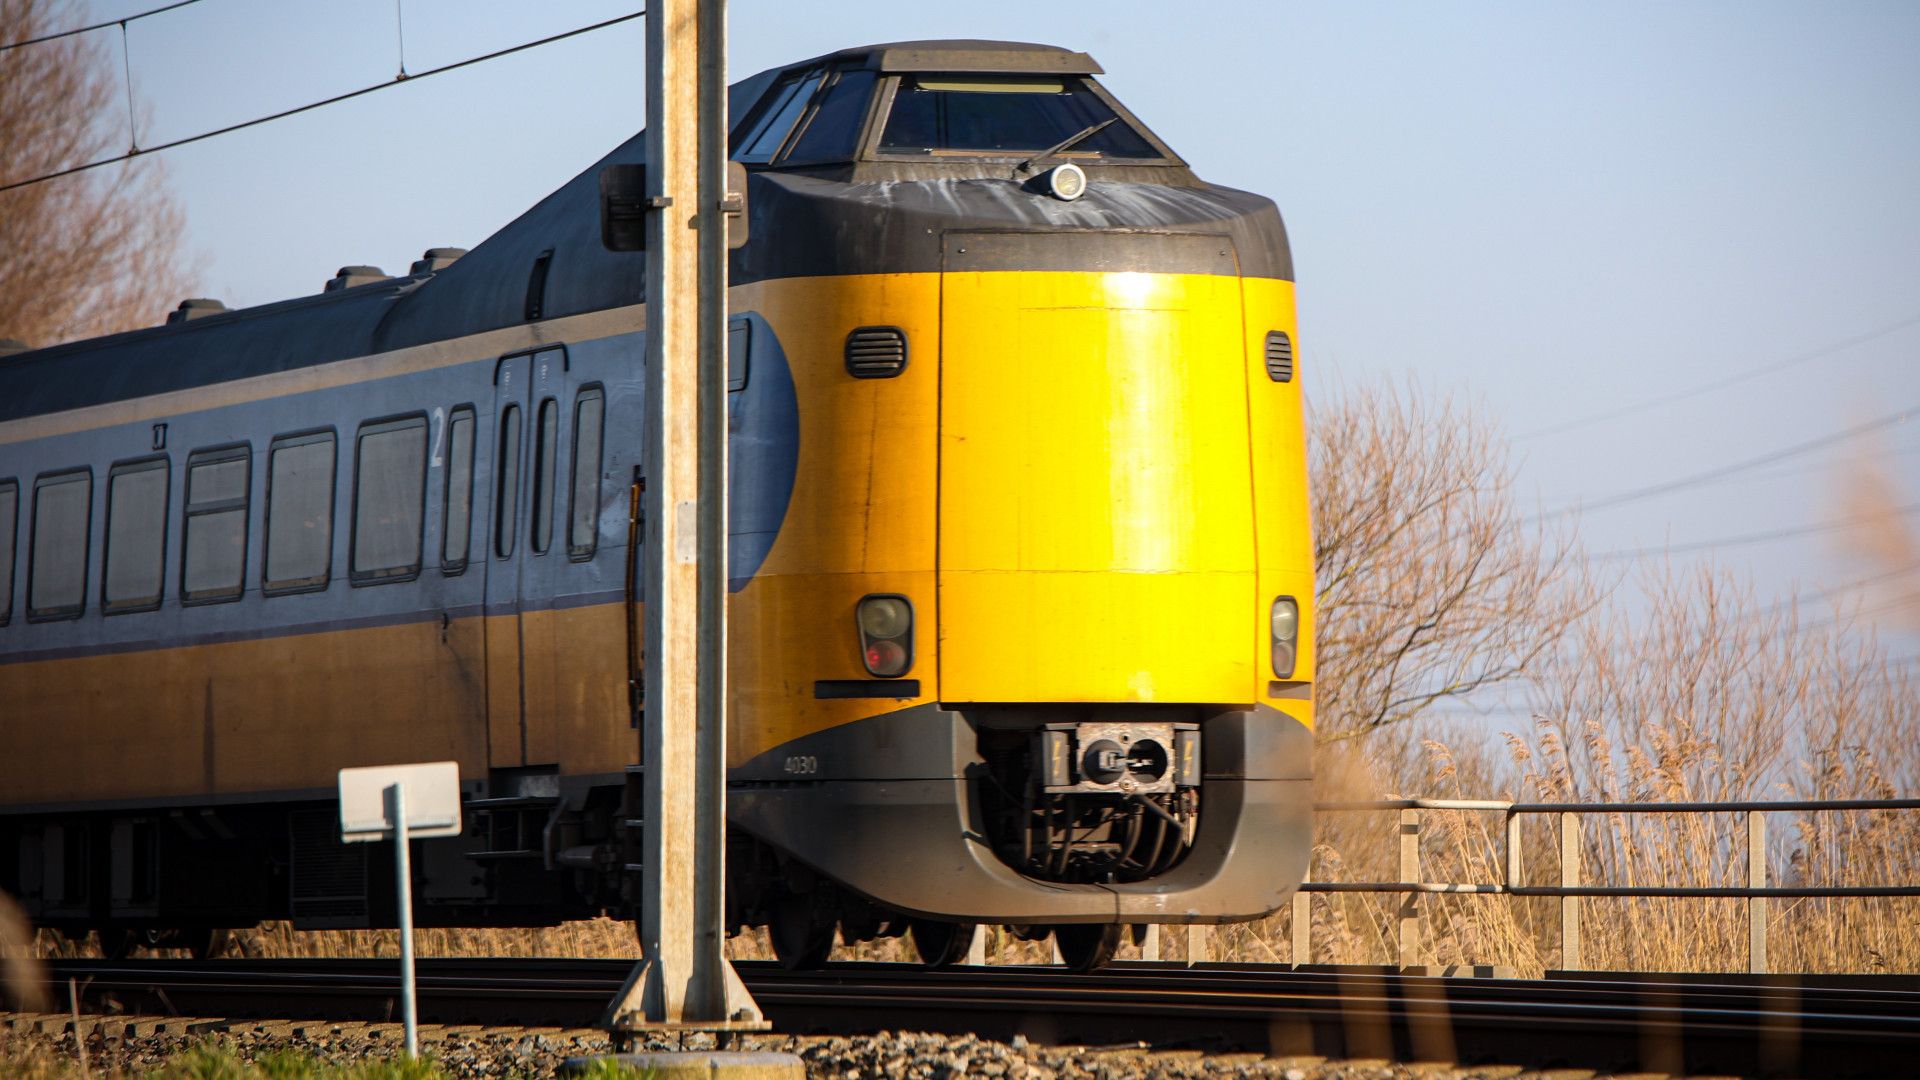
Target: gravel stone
x,y
127,1045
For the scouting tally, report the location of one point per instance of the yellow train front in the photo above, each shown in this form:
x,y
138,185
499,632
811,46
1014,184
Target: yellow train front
x,y
1030,647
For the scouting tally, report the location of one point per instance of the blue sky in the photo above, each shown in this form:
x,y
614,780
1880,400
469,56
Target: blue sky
x,y
1558,210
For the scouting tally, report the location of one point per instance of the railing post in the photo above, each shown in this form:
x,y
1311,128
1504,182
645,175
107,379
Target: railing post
x,y
1150,948
1756,879
1302,928
1570,959
1514,876
1409,901
1199,944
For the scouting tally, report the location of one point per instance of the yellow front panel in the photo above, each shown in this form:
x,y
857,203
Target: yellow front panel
x,y
1096,509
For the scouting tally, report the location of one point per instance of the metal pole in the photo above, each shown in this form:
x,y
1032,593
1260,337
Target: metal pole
x,y
685,980
1199,944
1409,943
1515,867
403,872
1302,928
1569,905
1756,879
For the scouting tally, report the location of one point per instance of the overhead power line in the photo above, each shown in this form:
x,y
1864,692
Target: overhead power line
x,y
1698,479
1758,537
1731,380
334,100
1805,599
96,26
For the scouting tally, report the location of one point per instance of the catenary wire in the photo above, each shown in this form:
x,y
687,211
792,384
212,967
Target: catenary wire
x,y
1711,475
96,26
1833,590
1723,383
336,99
1756,538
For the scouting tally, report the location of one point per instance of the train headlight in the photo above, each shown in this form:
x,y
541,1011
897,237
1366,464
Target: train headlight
x,y
1066,181
886,634
1286,636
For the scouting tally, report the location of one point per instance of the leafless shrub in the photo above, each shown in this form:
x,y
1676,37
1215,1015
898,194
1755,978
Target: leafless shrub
x,y
92,253
1434,588
1432,585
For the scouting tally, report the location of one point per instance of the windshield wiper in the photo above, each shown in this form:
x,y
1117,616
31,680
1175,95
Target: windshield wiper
x,y
1066,144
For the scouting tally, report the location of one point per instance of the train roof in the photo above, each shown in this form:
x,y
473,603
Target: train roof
x,y
557,244
969,56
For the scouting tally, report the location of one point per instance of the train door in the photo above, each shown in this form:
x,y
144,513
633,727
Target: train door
x,y
523,386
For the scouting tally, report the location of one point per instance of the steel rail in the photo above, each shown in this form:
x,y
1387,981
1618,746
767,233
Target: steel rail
x,y
1804,1025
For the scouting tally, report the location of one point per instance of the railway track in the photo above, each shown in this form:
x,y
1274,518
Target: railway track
x,y
1750,1025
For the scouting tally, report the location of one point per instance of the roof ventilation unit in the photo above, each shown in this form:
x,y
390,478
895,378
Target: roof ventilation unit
x,y
1279,356
11,345
349,276
876,352
436,259
195,308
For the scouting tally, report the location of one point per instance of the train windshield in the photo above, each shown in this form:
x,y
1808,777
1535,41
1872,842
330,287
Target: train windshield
x,y
934,114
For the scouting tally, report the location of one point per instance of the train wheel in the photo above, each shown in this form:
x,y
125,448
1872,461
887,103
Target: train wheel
x,y
941,943
1086,946
205,944
119,944
800,943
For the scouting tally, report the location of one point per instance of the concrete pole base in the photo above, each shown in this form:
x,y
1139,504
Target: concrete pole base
x,y
701,1065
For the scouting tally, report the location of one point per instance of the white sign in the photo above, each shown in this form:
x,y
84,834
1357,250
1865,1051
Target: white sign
x,y
432,800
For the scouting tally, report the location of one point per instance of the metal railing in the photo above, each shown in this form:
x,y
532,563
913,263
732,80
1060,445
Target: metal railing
x,y
1572,887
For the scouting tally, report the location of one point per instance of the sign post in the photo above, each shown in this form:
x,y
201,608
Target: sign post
x,y
401,801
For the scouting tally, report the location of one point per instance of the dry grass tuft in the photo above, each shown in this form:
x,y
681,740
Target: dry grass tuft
x,y
22,978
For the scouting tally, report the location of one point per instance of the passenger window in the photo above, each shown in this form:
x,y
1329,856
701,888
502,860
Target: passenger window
x,y
136,536
834,132
506,501
9,517
389,500
739,343
790,100
583,525
546,438
299,513
458,503
57,571
214,561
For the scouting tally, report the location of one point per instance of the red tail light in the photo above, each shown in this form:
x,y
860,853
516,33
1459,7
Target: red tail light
x,y
885,621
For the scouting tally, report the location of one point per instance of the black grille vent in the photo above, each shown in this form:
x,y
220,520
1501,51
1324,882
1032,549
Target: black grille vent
x,y
876,352
328,878
1279,356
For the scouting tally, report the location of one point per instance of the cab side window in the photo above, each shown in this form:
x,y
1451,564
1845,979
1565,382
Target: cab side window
x,y
769,130
833,133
